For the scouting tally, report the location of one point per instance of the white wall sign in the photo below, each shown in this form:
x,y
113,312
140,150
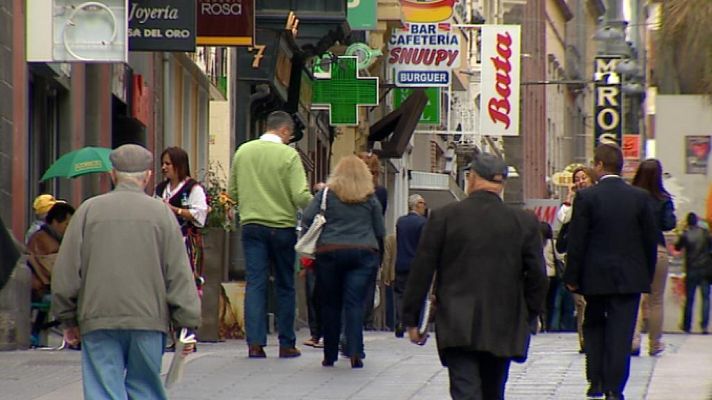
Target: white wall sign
x,y
423,55
77,31
501,62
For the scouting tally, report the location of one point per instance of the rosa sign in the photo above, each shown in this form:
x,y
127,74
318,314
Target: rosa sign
x,y
501,61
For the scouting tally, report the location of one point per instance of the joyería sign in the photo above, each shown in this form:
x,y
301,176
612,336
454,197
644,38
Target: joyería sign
x,y
162,25
501,62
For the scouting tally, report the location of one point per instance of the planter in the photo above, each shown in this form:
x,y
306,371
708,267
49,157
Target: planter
x,y
215,260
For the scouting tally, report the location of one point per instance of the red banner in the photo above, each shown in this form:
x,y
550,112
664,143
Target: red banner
x,y
225,22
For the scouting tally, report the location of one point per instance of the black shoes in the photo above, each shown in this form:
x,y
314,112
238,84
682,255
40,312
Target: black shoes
x,y
400,331
614,396
595,391
356,362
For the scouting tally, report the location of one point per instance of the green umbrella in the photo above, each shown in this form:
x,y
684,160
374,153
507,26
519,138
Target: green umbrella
x,y
87,160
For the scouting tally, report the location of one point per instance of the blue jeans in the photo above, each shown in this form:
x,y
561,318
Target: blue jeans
x,y
692,282
342,278
264,246
119,364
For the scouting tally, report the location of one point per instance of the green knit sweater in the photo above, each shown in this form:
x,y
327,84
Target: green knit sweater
x,y
268,181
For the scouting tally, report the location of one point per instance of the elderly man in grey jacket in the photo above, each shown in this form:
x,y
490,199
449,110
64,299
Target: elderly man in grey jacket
x,y
121,276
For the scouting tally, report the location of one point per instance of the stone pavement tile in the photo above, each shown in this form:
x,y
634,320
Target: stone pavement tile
x,y
687,370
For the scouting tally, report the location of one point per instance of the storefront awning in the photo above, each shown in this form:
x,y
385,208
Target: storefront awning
x,y
395,129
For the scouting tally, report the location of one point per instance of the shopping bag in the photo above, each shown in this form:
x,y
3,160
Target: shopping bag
x,y
306,245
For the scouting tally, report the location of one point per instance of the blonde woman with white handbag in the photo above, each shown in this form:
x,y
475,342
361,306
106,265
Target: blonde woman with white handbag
x,y
347,254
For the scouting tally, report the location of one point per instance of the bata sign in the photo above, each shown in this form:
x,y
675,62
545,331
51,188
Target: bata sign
x,y
423,55
501,60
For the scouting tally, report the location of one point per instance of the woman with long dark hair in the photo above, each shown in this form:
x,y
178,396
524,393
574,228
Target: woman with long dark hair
x,y
187,200
649,176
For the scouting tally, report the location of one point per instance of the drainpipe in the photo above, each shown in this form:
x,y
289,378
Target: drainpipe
x,y
166,99
261,91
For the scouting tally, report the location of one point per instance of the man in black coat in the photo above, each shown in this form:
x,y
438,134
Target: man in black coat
x,y
491,283
611,260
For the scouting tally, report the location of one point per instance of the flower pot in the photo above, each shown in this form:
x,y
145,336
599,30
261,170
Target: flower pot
x,y
215,256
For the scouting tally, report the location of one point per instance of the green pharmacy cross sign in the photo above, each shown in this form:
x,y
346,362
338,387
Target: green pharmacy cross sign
x,y
344,92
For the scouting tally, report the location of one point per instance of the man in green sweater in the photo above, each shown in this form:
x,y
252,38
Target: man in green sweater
x,y
268,182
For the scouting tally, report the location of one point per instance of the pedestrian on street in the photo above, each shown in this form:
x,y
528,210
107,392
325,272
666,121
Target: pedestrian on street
x,y
121,276
559,302
583,177
186,198
269,184
408,230
611,260
347,255
649,176
374,165
698,263
490,286
41,205
308,273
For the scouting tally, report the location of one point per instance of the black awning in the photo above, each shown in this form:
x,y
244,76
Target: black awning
x,y
395,129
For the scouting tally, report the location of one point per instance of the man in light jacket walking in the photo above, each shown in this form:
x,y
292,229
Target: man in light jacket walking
x,y
121,276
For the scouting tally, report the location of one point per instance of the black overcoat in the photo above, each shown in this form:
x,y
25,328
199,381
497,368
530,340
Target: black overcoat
x,y
491,278
612,241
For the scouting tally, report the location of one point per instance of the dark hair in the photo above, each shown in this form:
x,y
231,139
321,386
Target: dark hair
x,y
586,170
546,232
610,156
179,159
649,176
691,219
279,119
59,212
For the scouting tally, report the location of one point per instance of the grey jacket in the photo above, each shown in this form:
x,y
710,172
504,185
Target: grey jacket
x,y
123,265
358,224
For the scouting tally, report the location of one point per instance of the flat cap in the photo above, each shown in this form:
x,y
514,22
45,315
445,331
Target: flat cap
x,y
489,167
131,158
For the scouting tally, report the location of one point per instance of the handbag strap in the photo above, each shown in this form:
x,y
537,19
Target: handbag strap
x,y
553,250
323,199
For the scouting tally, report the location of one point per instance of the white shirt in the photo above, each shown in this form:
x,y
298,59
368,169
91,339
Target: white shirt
x,y
198,206
271,137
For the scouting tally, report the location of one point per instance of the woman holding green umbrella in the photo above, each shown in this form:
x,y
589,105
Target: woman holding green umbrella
x,y
187,199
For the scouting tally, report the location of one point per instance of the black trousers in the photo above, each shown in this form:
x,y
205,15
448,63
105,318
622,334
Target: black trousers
x,y
398,291
609,322
475,375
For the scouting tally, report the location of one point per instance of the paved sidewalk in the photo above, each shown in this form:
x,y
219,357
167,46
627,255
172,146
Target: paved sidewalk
x,y
394,369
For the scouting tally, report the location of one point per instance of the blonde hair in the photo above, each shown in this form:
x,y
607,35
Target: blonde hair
x,y
351,181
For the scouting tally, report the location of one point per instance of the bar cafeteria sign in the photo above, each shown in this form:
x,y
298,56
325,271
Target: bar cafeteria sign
x,y
162,25
226,22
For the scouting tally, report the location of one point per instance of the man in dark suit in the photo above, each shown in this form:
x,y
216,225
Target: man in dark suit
x,y
611,260
491,283
408,230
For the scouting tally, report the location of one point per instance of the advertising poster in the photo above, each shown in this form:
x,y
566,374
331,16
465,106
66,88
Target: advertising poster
x,y
697,151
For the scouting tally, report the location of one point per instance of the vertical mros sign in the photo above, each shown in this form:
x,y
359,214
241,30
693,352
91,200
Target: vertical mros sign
x,y
501,62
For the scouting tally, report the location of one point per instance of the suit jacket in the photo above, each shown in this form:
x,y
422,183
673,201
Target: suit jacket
x,y
612,244
491,278
408,230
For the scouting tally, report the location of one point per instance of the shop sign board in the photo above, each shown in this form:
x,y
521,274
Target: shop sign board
x,y
501,65
631,147
431,112
76,31
162,25
344,92
361,14
225,22
424,54
608,101
697,154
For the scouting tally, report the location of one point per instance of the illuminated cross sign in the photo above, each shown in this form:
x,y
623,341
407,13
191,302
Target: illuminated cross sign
x,y
344,92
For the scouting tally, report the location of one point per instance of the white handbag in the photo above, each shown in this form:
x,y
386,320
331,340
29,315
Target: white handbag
x,y
306,245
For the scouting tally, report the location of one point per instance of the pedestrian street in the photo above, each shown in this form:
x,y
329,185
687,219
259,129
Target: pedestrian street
x,y
394,369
